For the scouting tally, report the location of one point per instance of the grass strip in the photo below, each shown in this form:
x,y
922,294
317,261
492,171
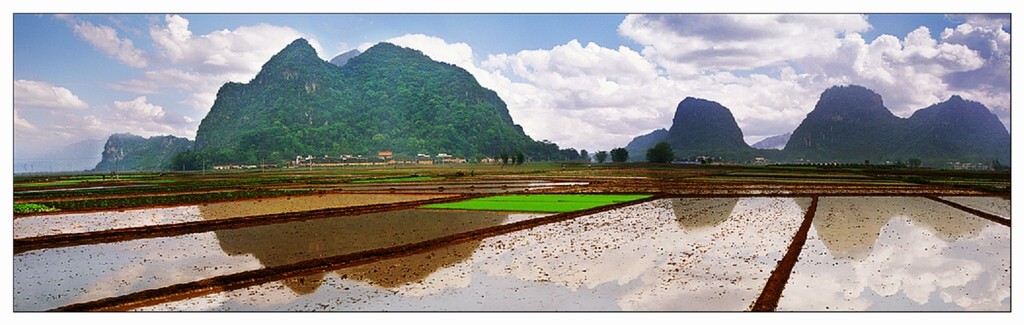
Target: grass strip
x,y
556,203
151,201
32,208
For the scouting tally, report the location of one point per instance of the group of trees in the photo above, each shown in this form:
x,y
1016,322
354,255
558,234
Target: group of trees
x,y
660,153
517,159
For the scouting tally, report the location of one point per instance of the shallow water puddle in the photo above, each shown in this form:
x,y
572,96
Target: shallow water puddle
x,y
675,254
994,205
86,222
899,254
50,278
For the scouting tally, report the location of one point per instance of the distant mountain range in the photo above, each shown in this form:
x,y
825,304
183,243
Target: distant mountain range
x,y
773,142
391,98
849,124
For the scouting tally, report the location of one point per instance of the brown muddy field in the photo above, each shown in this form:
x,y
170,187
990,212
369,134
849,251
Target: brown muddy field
x,y
709,240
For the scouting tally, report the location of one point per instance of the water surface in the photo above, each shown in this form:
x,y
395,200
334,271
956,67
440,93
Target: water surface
x,y
96,221
677,254
900,254
50,278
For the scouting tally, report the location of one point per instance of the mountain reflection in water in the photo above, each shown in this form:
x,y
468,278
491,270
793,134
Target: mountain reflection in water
x,y
286,243
849,226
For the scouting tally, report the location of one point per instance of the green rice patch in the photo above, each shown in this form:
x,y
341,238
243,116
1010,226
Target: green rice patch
x,y
555,203
395,179
32,208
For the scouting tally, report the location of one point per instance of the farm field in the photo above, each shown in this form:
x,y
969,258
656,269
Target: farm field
x,y
551,237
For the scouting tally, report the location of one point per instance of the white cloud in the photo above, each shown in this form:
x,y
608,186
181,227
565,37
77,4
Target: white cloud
x,y
138,116
201,64
995,21
909,74
585,97
138,108
39,94
105,39
235,54
990,83
813,52
21,124
437,49
688,44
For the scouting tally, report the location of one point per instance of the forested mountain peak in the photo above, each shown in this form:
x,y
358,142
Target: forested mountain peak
x,y
296,62
388,98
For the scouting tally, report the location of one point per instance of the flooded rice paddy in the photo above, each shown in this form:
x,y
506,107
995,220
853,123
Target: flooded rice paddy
x,y
96,221
900,254
994,205
678,254
674,254
88,272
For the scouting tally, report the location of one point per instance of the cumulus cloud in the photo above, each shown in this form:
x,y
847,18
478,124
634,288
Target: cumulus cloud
x,y
106,39
460,54
992,47
21,124
585,96
687,44
712,55
201,64
137,116
918,70
237,54
140,117
39,94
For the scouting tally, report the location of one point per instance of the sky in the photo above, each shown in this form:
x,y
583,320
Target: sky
x,y
586,81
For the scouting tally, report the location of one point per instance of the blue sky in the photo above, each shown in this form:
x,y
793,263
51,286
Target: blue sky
x,y
587,81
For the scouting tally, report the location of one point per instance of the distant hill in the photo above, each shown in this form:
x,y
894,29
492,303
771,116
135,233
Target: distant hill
x,y
850,124
956,130
705,128
343,58
773,142
129,152
637,148
700,127
388,98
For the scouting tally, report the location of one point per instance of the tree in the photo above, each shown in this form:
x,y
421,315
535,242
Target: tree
x,y
601,156
504,158
620,155
999,166
914,162
661,153
584,155
570,154
520,158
